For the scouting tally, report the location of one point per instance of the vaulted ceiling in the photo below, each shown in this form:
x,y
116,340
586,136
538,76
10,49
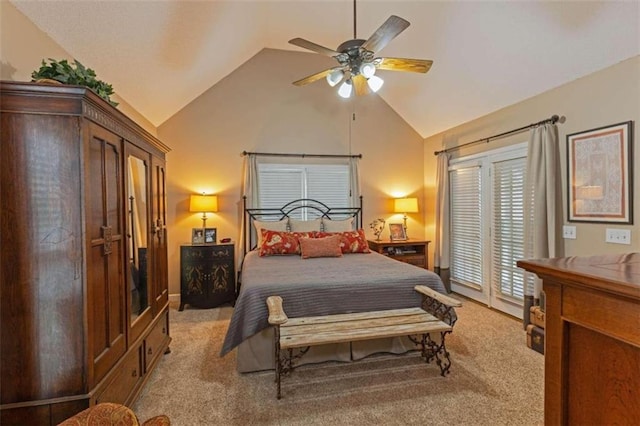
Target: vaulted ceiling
x,y
160,55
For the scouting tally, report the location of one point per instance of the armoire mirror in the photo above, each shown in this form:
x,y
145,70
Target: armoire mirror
x,y
137,229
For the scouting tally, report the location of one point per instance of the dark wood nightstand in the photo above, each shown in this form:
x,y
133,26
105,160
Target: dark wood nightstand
x,y
415,252
207,275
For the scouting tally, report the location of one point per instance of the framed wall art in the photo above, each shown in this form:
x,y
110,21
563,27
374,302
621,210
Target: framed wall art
x,y
600,174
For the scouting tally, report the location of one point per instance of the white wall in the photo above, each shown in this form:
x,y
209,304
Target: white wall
x,y
256,108
24,46
606,97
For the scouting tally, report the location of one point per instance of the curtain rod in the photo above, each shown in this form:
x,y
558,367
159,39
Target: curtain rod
x,y
553,119
273,154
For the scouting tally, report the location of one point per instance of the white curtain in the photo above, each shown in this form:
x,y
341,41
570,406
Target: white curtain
x,y
441,250
354,179
250,197
543,205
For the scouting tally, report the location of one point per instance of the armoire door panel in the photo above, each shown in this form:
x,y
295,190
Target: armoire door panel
x,y
41,258
139,291
105,272
159,214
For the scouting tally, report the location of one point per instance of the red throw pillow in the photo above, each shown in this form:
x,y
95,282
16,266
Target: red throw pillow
x,y
350,241
280,243
320,247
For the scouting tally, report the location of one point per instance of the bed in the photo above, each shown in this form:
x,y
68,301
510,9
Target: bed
x,y
353,282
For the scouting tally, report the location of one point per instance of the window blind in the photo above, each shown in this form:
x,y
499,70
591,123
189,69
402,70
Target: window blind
x,y
280,184
507,239
466,225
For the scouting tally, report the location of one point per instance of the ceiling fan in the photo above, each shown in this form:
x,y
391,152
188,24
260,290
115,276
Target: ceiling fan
x,y
358,62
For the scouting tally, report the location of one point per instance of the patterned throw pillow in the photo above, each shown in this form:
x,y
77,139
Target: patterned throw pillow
x,y
281,243
271,225
321,247
350,242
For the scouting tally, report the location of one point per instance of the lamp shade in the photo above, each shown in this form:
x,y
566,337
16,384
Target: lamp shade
x,y
203,203
375,83
345,89
406,205
335,77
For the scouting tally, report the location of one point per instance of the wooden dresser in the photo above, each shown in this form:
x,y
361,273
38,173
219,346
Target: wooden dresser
x,y
84,307
592,342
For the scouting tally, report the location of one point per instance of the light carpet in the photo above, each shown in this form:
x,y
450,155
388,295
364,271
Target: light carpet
x,y
494,380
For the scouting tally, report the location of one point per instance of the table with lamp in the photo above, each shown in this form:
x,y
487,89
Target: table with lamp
x,y
207,270
407,250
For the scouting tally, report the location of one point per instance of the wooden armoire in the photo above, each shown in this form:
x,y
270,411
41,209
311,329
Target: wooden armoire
x,y
83,276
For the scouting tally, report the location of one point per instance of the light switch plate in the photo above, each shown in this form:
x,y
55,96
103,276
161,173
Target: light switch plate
x,y
569,232
618,236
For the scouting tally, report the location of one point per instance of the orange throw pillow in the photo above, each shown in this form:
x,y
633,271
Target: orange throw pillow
x,y
320,247
350,241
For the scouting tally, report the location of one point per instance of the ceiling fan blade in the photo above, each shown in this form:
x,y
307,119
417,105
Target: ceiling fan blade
x,y
306,44
404,64
360,85
315,77
387,32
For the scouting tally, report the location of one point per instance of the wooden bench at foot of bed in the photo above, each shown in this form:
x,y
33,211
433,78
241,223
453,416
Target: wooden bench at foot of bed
x,y
435,316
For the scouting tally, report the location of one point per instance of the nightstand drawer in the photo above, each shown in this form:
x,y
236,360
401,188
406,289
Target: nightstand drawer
x,y
413,259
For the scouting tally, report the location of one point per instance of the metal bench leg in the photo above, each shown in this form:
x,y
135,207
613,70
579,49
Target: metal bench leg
x,y
445,362
432,350
278,360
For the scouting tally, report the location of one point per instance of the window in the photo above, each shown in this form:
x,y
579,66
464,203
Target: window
x,y
283,183
466,225
507,242
487,227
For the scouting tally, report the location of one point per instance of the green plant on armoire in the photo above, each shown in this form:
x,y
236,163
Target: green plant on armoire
x,y
75,73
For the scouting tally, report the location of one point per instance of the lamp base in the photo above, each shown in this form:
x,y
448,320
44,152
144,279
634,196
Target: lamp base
x,y
405,226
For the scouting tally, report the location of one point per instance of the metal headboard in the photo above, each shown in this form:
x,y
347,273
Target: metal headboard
x,y
293,209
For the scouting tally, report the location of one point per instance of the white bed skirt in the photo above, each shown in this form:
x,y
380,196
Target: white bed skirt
x,y
257,352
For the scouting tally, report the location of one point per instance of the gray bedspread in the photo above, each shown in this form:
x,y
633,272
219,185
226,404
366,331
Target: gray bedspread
x,y
322,286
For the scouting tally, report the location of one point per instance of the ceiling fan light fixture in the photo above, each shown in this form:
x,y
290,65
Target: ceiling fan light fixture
x,y
335,77
375,83
367,69
345,89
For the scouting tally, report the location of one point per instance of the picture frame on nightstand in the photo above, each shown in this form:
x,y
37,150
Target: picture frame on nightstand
x,y
197,236
397,232
210,235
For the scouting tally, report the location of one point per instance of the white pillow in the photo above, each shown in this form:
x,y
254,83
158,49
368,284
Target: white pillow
x,y
270,225
305,225
337,225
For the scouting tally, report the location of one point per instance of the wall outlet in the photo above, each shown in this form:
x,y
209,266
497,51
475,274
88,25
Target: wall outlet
x,y
569,232
618,236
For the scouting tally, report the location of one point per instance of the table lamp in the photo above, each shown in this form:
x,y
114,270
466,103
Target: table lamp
x,y
204,204
404,206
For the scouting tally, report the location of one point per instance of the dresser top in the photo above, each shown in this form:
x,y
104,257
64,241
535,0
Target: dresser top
x,y
619,273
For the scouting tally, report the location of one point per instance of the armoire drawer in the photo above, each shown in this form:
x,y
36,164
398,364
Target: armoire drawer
x,y
156,340
126,379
